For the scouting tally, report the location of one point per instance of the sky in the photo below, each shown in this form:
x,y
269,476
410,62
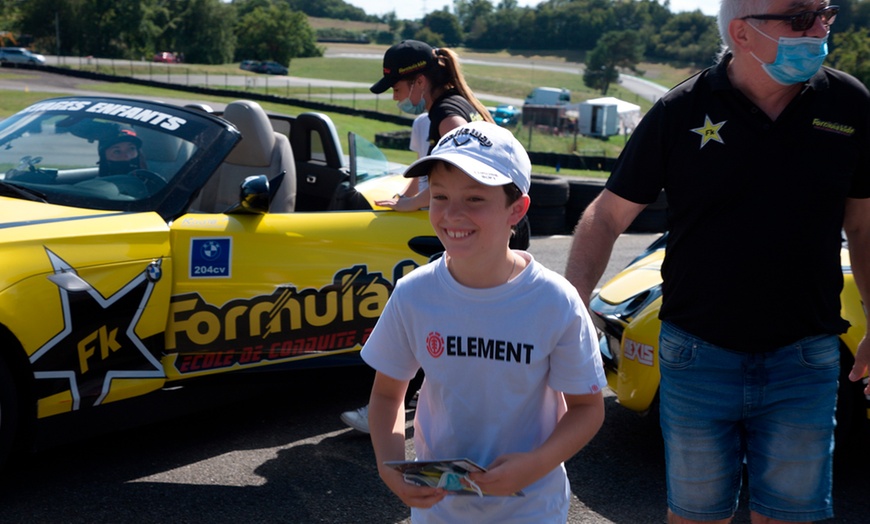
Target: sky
x,y
416,9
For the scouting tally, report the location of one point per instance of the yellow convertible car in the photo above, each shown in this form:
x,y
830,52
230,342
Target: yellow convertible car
x,y
143,244
626,313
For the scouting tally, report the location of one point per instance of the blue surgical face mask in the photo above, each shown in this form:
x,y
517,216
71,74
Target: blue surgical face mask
x,y
406,106
797,59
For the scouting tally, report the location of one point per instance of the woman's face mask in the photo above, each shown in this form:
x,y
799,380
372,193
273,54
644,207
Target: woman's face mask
x,y
406,106
797,59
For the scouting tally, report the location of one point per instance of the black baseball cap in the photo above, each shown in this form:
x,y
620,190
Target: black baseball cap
x,y
409,57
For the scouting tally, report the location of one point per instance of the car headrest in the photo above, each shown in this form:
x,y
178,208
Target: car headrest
x,y
258,139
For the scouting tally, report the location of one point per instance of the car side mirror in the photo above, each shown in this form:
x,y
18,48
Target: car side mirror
x,y
254,197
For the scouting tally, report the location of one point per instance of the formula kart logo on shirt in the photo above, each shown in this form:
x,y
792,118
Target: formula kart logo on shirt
x,y
833,127
709,131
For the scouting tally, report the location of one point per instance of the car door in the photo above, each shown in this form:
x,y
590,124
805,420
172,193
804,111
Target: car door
x,y
283,289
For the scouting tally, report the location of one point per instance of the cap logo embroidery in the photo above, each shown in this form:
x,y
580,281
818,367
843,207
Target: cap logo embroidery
x,y
464,136
413,67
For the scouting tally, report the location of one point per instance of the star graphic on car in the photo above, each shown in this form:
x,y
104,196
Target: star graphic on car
x,y
709,131
98,342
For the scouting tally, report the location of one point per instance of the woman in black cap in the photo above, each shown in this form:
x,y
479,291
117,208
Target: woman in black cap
x,y
426,79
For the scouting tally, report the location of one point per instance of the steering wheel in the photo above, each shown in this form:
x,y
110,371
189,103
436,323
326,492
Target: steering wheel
x,y
137,184
148,177
153,182
26,165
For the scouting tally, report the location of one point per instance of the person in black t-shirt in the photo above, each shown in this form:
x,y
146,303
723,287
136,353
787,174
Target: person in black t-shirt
x,y
765,159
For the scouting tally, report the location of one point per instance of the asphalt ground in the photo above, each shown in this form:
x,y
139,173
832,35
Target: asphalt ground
x,y
271,448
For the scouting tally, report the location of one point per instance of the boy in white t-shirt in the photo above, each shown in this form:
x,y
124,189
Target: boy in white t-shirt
x,y
513,375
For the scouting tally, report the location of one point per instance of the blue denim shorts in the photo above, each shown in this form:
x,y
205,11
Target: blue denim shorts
x,y
773,411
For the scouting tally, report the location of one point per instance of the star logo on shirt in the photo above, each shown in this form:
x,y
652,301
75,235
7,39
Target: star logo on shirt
x,y
709,131
98,342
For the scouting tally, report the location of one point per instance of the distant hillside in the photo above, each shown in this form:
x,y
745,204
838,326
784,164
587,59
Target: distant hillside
x,y
349,25
338,9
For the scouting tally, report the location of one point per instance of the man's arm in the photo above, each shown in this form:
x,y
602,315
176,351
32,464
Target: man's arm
x,y
599,227
857,228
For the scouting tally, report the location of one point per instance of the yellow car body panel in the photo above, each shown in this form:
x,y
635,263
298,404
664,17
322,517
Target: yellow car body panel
x,y
79,276
638,377
626,306
289,281
119,279
643,274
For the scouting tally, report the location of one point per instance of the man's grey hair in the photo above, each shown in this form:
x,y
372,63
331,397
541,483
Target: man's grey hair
x,y
731,9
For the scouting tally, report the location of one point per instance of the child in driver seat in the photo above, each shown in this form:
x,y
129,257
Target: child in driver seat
x,y
120,153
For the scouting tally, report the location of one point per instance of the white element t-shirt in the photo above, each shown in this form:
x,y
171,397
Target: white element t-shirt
x,y
495,361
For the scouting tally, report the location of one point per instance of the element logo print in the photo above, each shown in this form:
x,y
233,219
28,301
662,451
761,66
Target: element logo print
x,y
435,344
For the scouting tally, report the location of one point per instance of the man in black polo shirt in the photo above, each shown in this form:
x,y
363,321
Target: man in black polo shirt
x,y
765,159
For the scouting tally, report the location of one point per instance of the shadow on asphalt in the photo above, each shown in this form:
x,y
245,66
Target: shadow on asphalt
x,y
271,448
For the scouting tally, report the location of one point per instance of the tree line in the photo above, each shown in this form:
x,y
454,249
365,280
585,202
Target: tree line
x,y
612,33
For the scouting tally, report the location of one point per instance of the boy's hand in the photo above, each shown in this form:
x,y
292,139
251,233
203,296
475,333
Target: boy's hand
x,y
411,494
508,474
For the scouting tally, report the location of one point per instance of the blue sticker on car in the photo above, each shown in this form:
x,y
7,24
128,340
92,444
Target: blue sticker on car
x,y
210,257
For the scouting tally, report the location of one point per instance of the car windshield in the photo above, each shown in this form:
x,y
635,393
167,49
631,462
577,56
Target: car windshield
x,y
367,161
75,155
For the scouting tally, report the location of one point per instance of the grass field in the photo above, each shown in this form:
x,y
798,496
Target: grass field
x,y
499,80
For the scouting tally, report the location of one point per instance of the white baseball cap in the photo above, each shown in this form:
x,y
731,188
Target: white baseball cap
x,y
484,151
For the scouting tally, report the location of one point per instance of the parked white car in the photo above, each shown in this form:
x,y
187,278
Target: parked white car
x,y
20,55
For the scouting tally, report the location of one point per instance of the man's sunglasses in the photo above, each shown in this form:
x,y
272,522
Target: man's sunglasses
x,y
805,20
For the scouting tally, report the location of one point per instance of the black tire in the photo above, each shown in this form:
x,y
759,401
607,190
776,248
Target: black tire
x,y
545,221
548,191
581,193
10,416
650,221
521,239
654,217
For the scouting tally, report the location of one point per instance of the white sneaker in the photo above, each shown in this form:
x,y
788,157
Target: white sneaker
x,y
358,419
413,402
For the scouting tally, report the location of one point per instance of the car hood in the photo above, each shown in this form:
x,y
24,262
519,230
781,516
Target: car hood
x,y
645,274
638,277
29,230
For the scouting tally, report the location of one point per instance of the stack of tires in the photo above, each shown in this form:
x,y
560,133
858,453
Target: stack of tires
x,y
558,203
581,193
549,195
653,219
